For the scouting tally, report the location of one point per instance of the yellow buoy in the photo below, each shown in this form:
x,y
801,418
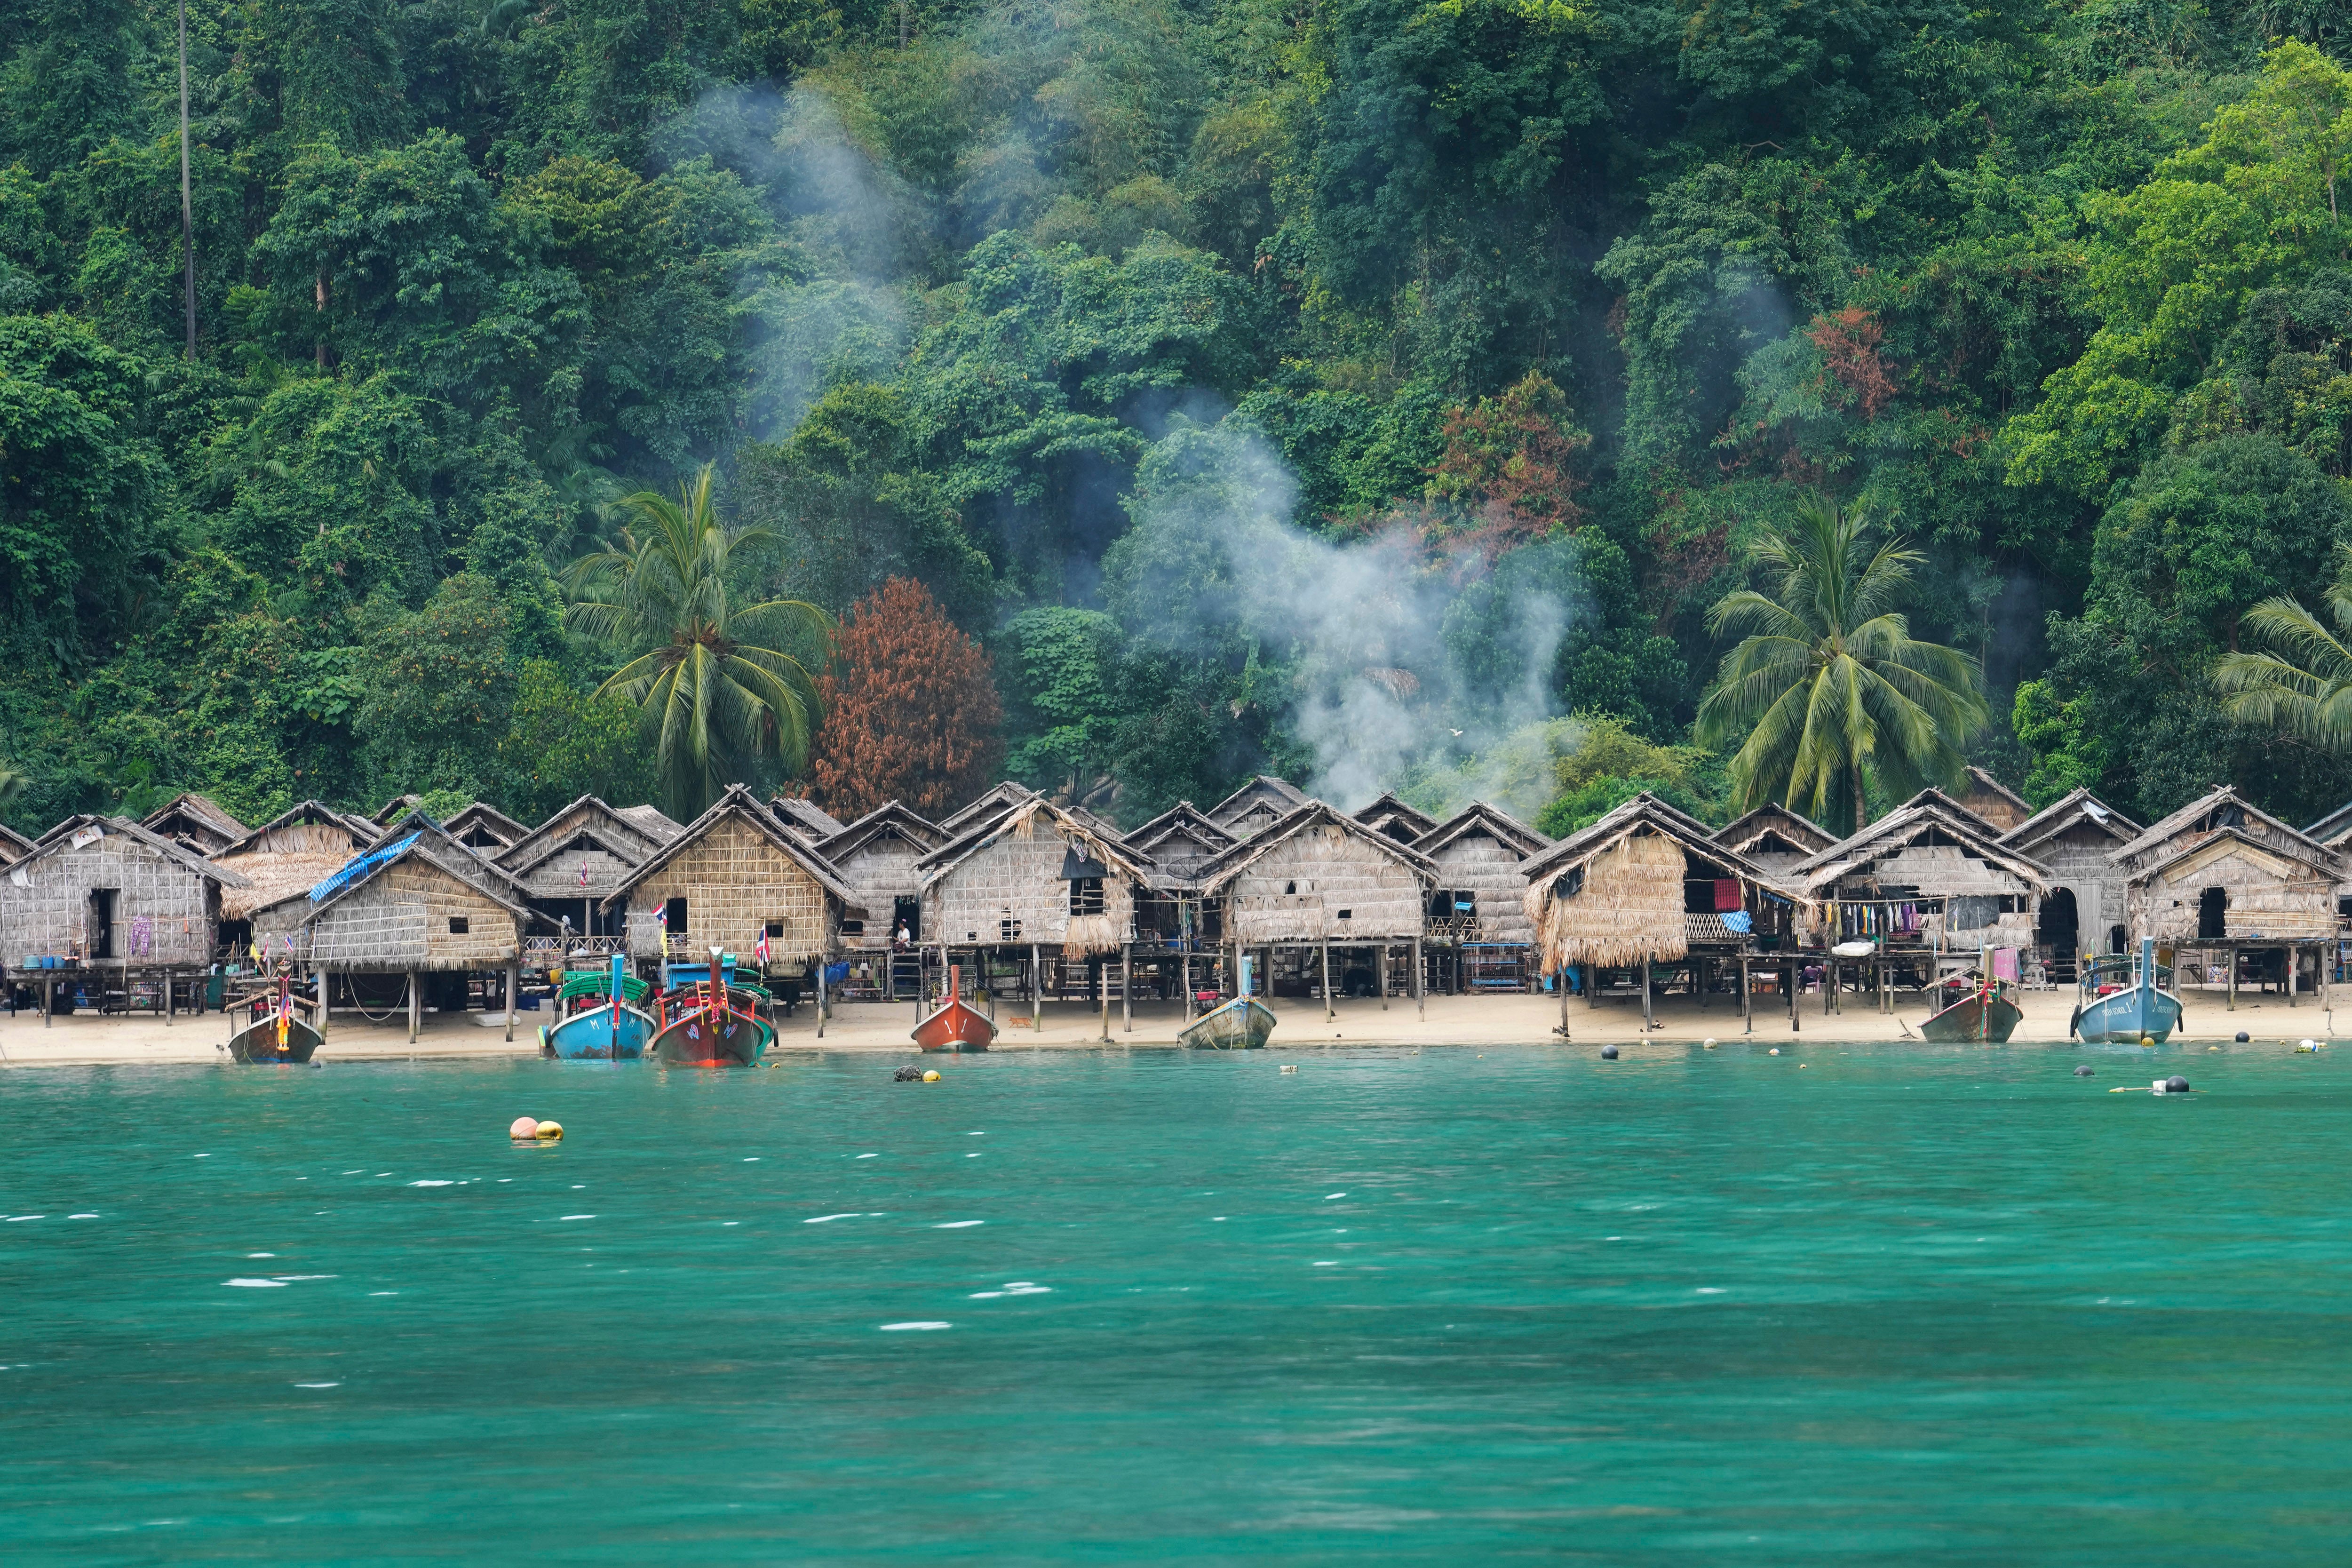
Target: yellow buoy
x,y
549,1131
931,1075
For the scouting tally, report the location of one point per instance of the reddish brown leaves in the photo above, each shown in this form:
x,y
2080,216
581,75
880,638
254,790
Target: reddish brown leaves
x,y
911,713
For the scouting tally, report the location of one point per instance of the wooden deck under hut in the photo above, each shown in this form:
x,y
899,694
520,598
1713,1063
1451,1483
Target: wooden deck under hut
x,y
986,808
2076,836
1994,801
102,902
1180,840
2254,897
733,875
1331,903
1929,877
1477,917
878,855
196,821
804,819
1775,837
1647,886
485,830
1256,806
291,853
569,865
1404,823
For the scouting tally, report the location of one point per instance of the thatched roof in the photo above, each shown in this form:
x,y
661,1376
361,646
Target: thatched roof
x,y
200,819
1220,872
1180,840
61,836
805,818
1772,820
890,817
2210,814
443,853
446,848
1106,847
1400,821
482,826
290,853
614,832
1263,796
12,844
2280,857
1480,818
2334,829
1610,893
988,808
2073,808
1994,801
1930,815
355,834
653,820
739,804
398,807
274,878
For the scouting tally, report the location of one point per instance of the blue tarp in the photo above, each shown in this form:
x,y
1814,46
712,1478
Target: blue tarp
x,y
1739,920
358,869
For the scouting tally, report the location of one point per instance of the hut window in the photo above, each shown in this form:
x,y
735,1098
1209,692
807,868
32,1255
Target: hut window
x,y
1006,930
674,916
457,925
1087,896
1290,887
848,928
1347,914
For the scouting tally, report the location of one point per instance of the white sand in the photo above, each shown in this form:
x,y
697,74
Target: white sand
x,y
88,1039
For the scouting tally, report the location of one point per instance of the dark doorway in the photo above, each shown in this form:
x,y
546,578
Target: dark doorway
x,y
2115,938
101,920
674,917
2212,918
907,915
2058,928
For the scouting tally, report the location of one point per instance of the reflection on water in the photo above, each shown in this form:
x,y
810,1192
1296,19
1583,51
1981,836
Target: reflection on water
x,y
1849,1303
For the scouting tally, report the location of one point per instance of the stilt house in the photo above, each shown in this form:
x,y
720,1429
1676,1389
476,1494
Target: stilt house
x,y
291,853
1775,837
2076,836
2223,870
197,822
1928,877
1314,881
985,810
732,875
485,830
1480,897
419,905
1648,884
878,854
108,891
651,819
1038,876
1180,841
1403,823
1994,801
569,865
1256,807
804,819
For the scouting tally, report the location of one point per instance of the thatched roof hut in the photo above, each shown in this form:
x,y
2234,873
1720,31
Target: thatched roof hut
x,y
196,821
1994,801
485,830
1318,874
987,808
577,858
733,874
1180,841
108,887
1256,806
1775,837
1037,874
2076,836
1930,873
653,820
2221,867
803,818
1479,853
13,844
418,904
878,854
291,853
395,808
1405,824
1647,882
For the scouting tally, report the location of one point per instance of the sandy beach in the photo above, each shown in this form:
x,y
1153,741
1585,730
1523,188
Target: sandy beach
x,y
88,1039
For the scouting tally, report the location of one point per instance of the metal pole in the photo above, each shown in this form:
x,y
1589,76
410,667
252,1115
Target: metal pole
x,y
187,202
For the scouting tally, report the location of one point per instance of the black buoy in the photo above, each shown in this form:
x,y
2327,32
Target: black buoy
x,y
2241,1036
1608,1053
2176,1084
908,1075
2082,1072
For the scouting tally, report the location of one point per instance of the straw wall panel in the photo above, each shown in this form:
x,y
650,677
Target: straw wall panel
x,y
399,920
558,876
52,915
1323,883
883,870
1013,891
1630,907
735,883
1489,869
2268,895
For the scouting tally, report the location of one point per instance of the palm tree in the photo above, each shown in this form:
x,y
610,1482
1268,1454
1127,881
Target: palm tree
x,y
718,687
1828,689
2305,687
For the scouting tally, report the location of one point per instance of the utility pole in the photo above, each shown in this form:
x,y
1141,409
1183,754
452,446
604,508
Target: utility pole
x,y
187,204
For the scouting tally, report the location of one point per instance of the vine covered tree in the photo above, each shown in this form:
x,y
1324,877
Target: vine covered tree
x,y
1827,689
911,712
721,685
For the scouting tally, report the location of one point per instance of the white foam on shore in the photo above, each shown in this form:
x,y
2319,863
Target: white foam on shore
x,y
921,1326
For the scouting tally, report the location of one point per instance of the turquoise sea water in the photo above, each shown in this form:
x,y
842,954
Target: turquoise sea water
x,y
1900,1304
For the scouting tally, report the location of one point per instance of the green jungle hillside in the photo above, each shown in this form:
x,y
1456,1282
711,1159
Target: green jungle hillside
x,y
1130,396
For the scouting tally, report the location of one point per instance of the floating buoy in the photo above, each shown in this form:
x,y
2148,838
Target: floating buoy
x,y
1608,1053
931,1075
549,1131
1709,1042
524,1127
2082,1072
2241,1036
2147,1040
1289,1067
908,1075
1774,1051
2176,1084
2308,1045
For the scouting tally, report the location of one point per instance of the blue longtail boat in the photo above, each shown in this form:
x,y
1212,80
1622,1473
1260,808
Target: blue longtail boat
x,y
2121,1004
598,1022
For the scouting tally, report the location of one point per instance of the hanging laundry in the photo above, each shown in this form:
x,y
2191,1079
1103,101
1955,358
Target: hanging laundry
x,y
1727,894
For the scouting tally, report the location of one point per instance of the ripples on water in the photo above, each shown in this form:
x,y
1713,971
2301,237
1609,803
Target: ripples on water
x,y
1910,1305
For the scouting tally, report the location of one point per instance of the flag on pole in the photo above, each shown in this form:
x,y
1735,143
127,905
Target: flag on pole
x,y
761,946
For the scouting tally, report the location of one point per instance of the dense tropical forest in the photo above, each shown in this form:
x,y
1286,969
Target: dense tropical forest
x,y
1133,395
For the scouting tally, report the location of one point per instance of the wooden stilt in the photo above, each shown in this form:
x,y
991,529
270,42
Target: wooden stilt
x,y
318,984
1560,980
1331,1007
49,1004
1381,978
1037,985
820,993
2231,954
1796,973
1186,975
1102,984
1647,959
169,1001
415,1007
514,996
1126,988
1420,985
2293,973
1747,1000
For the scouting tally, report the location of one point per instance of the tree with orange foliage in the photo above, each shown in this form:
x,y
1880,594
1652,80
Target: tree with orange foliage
x,y
1518,457
911,713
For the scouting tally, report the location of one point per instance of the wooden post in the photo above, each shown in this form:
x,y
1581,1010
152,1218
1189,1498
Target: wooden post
x,y
415,1007
1560,980
1647,959
820,990
318,990
2293,972
1380,975
2232,953
1184,962
1796,973
1420,986
1331,1007
1126,988
514,995
1102,984
1037,986
1747,1000
169,1001
49,1004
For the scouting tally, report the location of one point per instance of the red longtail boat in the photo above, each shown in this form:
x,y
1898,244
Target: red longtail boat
x,y
956,1026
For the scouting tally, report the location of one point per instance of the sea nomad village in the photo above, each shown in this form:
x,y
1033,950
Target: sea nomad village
x,y
610,932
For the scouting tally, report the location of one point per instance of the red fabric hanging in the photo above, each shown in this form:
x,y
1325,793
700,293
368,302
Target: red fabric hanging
x,y
1727,894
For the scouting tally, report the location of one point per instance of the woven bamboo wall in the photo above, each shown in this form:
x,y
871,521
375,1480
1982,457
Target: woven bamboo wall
x,y
883,870
558,876
735,883
2082,859
1489,868
2269,895
1017,882
399,920
52,916
1324,883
